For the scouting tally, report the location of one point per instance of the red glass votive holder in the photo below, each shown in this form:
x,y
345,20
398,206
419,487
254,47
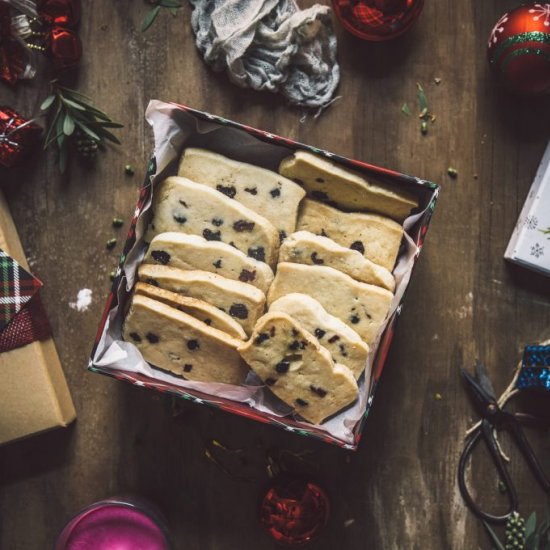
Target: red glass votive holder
x,y
377,20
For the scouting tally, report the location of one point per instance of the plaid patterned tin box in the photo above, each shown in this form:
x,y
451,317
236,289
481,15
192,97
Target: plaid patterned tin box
x,y
176,127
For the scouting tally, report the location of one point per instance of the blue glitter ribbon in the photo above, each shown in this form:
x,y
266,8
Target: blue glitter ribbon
x,y
535,369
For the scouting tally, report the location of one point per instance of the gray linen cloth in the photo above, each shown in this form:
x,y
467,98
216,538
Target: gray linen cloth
x,y
270,45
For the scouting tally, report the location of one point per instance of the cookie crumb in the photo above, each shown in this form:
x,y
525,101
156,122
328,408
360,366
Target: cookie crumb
x,y
349,522
83,300
452,172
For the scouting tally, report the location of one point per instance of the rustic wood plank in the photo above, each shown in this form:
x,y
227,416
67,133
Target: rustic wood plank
x,y
464,301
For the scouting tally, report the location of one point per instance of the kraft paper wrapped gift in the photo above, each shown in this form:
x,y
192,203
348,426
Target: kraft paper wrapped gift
x,y
34,396
529,245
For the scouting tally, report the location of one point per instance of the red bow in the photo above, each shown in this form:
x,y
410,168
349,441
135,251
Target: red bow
x,y
63,43
17,136
64,47
64,13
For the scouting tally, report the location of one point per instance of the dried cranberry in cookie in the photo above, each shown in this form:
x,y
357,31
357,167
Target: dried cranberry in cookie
x,y
191,208
194,252
199,309
304,247
271,195
243,302
363,307
307,380
343,343
181,344
329,182
378,238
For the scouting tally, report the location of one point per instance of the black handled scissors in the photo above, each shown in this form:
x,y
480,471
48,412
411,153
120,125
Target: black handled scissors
x,y
495,418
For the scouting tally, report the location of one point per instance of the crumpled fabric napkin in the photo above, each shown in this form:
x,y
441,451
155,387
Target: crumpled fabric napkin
x,y
270,45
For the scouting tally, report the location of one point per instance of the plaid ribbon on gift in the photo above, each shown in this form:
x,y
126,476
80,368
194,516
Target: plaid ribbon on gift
x,y
29,325
17,287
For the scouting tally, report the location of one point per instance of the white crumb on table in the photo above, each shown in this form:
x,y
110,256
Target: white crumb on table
x,y
466,311
83,300
349,522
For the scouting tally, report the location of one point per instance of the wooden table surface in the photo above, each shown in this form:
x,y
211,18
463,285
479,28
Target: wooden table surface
x,y
399,490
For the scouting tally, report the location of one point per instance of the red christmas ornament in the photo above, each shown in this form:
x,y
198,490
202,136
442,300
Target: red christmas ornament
x,y
64,47
17,136
64,13
519,49
377,20
294,512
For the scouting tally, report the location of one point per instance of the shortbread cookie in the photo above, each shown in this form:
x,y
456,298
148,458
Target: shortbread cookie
x,y
174,341
182,205
344,344
194,252
297,369
199,309
362,307
329,182
243,302
271,195
376,237
304,247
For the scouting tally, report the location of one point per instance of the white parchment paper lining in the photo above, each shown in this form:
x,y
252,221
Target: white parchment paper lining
x,y
174,129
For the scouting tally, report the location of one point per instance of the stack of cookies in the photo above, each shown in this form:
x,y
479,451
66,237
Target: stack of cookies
x,y
288,274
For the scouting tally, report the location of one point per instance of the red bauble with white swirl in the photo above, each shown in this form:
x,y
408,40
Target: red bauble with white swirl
x,y
519,49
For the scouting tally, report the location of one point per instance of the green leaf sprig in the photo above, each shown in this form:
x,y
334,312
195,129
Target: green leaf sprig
x,y
537,537
171,5
70,114
424,114
545,231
